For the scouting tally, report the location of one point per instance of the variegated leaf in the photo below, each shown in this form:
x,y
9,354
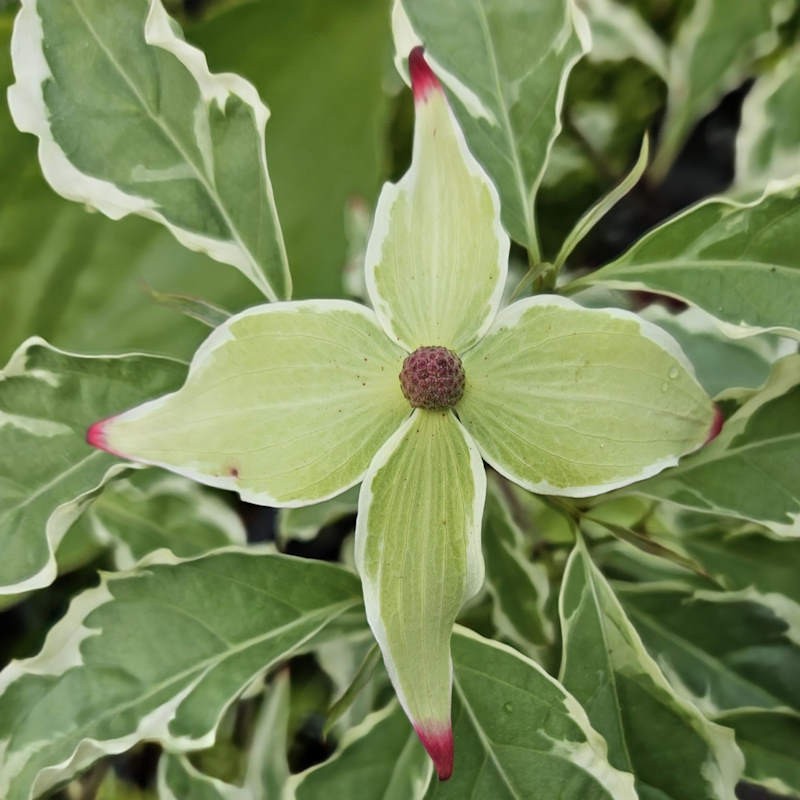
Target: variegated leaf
x,y
737,261
48,474
752,469
505,66
520,734
158,653
130,121
630,702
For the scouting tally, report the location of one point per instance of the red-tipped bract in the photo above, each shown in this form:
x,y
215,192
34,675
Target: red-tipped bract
x,y
96,437
423,81
716,425
438,741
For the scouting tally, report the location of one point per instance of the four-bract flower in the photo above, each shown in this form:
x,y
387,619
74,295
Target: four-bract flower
x,y
292,403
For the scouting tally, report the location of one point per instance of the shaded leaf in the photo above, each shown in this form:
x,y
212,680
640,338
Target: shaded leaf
x,y
714,48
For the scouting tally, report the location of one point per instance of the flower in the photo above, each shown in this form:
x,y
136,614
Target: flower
x,y
292,403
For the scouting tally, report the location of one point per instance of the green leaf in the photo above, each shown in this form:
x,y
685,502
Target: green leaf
x,y
92,74
505,65
671,749
286,403
726,368
151,510
619,32
768,141
268,766
602,206
327,138
380,758
750,469
722,651
437,256
179,780
520,734
769,742
418,554
48,474
304,523
201,310
157,653
714,49
572,401
518,586
737,261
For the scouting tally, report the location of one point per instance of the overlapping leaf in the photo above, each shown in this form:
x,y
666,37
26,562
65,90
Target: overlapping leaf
x,y
380,758
151,510
48,474
520,734
671,749
751,469
179,780
130,121
769,742
735,260
723,651
505,65
157,653
519,587
768,141
714,48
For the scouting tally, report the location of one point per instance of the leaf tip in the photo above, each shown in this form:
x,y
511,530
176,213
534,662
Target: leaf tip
x,y
716,425
437,739
423,81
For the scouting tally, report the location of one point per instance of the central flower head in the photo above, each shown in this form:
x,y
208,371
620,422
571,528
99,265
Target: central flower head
x,y
432,378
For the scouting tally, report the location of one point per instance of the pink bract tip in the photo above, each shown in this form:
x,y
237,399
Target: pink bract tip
x,y
438,741
423,81
716,425
96,437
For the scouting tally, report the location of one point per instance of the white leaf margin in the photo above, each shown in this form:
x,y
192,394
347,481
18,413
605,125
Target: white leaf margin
x,y
592,754
29,113
406,38
65,514
223,791
732,330
785,376
510,317
352,736
61,651
725,765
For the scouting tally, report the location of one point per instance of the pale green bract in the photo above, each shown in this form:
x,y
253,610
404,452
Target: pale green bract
x,y
292,403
